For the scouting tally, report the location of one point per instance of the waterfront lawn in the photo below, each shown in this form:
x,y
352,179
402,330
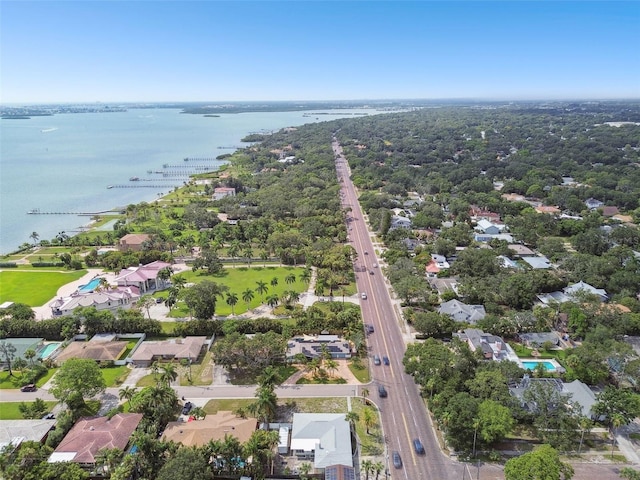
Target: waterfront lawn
x,y
238,280
10,410
34,288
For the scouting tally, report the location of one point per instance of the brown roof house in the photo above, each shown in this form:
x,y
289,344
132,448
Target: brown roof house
x,y
212,427
101,348
90,435
133,241
188,348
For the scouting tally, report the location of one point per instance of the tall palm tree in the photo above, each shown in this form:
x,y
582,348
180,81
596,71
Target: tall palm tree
x,y
352,417
367,467
234,250
232,300
265,404
247,253
29,355
289,279
272,300
369,418
305,276
378,468
198,413
169,373
34,236
247,296
127,393
269,377
274,282
332,365
262,289
178,281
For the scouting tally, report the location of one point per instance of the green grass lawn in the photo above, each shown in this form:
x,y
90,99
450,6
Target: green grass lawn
x,y
7,382
34,287
360,371
10,411
147,381
114,376
238,280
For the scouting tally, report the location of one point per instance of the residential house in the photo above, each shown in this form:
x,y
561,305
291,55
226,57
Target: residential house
x,y
399,222
90,435
593,204
461,312
213,427
492,347
324,438
573,292
133,241
188,348
221,192
444,285
101,348
144,277
477,213
506,262
539,262
314,346
112,299
575,391
487,237
609,211
410,244
521,251
14,432
488,227
537,340
437,264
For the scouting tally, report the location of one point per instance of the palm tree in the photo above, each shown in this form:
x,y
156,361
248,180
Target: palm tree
x,y
269,377
169,373
247,296
62,237
305,468
264,255
352,417
34,236
233,251
178,281
127,393
264,407
289,279
248,254
617,420
305,276
365,393
272,300
198,413
332,365
29,355
369,418
378,468
146,302
274,282
262,289
108,459
367,467
232,300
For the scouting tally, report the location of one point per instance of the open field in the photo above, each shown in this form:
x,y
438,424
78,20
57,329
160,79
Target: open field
x,y
34,287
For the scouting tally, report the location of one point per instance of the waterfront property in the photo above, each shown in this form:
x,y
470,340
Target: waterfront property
x,y
112,299
133,241
144,277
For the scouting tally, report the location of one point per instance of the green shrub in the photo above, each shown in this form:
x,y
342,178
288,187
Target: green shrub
x,y
8,265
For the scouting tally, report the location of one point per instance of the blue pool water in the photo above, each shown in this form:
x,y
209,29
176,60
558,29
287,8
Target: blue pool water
x,y
91,286
48,349
532,365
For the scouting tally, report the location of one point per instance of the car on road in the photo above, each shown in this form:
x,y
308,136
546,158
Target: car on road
x,y
385,360
376,360
375,265
187,408
363,295
366,253
370,272
49,416
159,300
397,459
29,388
382,392
368,328
418,447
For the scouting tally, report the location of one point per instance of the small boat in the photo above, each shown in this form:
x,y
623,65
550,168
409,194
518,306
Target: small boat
x,y
34,211
134,179
109,186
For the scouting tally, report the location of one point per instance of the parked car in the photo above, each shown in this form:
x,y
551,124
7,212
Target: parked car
x,y
368,328
417,445
397,459
375,265
382,392
366,253
370,272
29,388
159,300
187,408
376,360
49,416
363,295
385,360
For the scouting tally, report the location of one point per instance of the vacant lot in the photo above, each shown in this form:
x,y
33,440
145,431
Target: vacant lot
x,y
34,287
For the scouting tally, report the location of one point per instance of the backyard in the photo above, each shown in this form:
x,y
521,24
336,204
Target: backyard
x,y
34,287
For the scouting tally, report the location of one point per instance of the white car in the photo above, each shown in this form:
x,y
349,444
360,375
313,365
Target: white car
x,y
364,295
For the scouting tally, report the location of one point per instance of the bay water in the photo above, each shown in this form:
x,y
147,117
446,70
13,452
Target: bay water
x,y
66,162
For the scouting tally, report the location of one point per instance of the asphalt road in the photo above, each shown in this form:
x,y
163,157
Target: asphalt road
x,y
403,413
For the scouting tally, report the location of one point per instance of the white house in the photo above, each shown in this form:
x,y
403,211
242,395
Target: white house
x,y
461,312
323,437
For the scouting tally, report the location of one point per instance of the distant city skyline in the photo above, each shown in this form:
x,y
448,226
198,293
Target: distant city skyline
x,y
194,51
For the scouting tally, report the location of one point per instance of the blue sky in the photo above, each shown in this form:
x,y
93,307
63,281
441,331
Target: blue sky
x,y
121,51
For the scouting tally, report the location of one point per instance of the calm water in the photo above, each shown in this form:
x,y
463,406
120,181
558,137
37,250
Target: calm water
x,y
65,162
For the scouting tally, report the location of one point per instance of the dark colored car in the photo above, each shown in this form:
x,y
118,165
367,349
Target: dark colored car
x,y
368,328
417,445
382,392
159,300
187,408
385,360
397,460
29,388
376,360
370,272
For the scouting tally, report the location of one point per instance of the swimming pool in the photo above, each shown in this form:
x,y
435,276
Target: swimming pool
x,y
90,287
532,364
48,349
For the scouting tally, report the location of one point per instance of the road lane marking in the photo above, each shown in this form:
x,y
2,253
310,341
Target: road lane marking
x,y
406,427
